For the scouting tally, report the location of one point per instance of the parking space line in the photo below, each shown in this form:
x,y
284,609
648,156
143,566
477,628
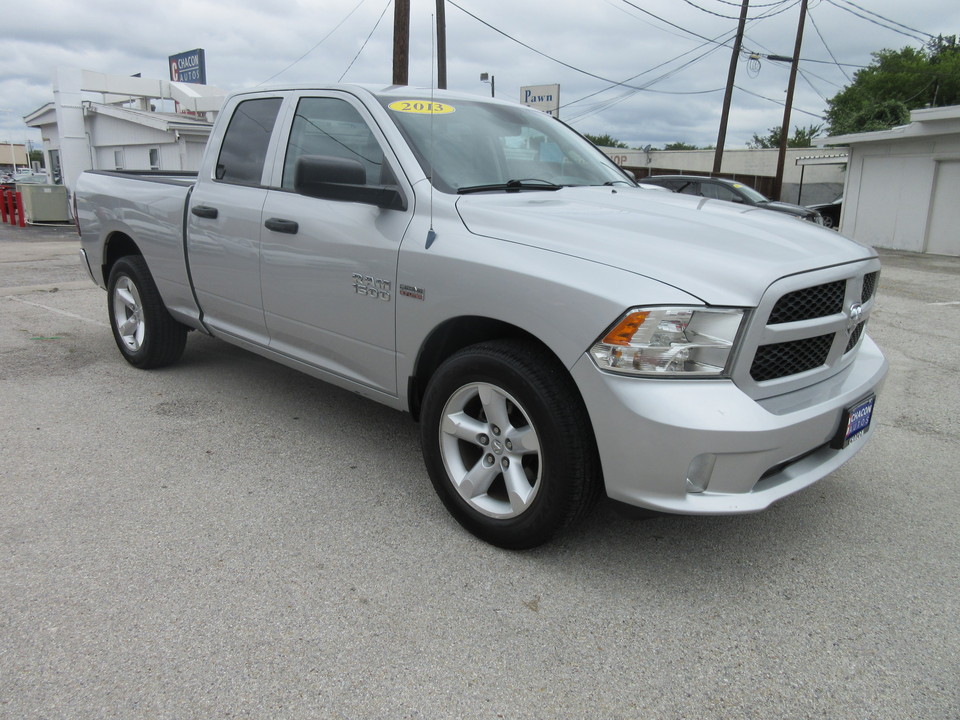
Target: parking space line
x,y
56,310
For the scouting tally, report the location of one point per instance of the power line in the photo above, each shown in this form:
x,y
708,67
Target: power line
x,y
829,51
376,25
778,102
586,112
543,54
655,67
886,19
879,24
730,17
736,4
357,7
667,22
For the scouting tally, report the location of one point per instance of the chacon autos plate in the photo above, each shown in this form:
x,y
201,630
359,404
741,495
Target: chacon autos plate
x,y
854,423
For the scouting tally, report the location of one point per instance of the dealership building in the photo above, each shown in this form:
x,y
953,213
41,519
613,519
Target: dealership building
x,y
109,122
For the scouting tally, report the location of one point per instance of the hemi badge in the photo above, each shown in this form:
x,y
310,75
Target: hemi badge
x,y
412,291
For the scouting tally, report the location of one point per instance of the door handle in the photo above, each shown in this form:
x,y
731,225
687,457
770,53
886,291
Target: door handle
x,y
282,226
204,211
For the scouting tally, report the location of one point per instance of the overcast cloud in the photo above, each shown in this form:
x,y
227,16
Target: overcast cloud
x,y
247,43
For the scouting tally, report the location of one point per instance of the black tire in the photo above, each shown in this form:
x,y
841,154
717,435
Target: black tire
x,y
501,415
144,331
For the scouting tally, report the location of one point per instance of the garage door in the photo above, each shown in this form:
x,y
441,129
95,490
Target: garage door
x,y
942,235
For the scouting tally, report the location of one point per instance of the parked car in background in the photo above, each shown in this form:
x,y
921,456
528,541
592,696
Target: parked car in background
x,y
731,191
830,212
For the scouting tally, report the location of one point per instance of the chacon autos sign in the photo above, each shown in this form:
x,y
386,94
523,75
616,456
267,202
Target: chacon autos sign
x,y
189,67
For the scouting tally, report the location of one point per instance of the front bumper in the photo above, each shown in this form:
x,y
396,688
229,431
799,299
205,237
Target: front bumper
x,y
739,454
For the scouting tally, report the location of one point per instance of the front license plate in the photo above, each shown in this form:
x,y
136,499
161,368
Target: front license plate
x,y
854,423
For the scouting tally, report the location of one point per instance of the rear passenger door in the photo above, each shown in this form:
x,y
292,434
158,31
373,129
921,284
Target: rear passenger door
x,y
223,223
328,267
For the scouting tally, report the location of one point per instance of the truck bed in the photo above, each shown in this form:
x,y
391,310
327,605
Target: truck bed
x,y
149,206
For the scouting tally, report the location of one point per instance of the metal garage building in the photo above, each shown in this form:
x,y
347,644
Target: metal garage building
x,y
902,189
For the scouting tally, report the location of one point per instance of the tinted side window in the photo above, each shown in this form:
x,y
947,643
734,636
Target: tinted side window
x,y
718,192
333,128
689,187
244,149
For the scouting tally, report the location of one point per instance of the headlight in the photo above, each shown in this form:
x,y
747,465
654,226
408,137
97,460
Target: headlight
x,y
669,341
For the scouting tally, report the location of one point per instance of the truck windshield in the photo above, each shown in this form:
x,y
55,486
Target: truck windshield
x,y
475,146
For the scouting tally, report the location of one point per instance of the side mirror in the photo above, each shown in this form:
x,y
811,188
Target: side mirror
x,y
335,178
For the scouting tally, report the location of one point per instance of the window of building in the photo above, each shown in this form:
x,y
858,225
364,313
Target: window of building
x,y
118,159
154,158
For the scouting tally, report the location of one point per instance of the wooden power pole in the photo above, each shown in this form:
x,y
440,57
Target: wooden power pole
x,y
785,128
731,76
441,45
401,42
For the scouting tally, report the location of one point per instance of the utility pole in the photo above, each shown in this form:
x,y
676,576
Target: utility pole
x,y
731,75
441,45
785,128
401,42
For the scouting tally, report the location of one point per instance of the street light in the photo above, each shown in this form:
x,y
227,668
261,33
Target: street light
x,y
486,77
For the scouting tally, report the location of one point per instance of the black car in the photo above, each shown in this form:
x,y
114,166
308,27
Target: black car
x,y
830,212
731,191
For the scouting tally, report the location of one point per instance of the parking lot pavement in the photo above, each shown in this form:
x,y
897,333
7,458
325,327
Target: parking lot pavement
x,y
228,538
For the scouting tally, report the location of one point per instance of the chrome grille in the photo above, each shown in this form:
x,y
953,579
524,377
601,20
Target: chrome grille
x,y
854,337
869,285
789,358
809,303
805,328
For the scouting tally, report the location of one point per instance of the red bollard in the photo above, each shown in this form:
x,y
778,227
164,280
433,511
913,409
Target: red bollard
x,y
3,204
8,197
19,199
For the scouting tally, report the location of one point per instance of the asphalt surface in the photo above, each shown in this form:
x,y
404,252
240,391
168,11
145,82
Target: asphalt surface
x,y
227,538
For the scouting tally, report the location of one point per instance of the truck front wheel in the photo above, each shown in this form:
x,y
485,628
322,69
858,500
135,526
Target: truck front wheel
x,y
508,444
142,328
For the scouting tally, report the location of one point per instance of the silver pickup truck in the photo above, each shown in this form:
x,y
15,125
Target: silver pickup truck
x,y
556,330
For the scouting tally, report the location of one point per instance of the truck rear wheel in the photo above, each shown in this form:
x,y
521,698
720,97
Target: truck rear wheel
x,y
508,444
142,328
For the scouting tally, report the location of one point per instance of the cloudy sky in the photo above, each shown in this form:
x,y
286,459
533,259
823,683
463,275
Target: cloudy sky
x,y
670,57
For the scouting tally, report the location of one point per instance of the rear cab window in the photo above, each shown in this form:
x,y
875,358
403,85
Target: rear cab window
x,y
243,152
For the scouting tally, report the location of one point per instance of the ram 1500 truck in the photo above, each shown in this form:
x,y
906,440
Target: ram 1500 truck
x,y
556,330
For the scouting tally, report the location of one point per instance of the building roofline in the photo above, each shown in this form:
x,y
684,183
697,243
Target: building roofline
x,y
923,123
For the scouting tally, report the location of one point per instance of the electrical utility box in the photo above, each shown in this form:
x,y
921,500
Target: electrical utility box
x,y
44,203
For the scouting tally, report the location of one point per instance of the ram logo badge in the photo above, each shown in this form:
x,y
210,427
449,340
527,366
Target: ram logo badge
x,y
371,287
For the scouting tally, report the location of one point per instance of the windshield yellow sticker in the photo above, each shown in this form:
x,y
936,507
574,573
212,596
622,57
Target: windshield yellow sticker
x,y
421,107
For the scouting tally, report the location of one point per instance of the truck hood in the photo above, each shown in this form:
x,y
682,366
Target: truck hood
x,y
722,253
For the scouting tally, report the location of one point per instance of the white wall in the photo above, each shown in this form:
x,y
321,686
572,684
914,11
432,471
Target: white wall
x,y
821,183
904,194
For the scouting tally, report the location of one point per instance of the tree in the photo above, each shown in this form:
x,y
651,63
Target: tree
x,y
896,82
802,137
680,146
605,141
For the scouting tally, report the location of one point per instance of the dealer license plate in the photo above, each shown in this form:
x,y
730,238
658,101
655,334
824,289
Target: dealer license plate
x,y
854,423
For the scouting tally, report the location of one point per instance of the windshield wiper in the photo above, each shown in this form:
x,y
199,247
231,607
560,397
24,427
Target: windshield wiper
x,y
511,186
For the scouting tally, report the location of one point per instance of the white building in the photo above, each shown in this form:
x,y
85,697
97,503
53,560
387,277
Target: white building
x,y
902,189
104,122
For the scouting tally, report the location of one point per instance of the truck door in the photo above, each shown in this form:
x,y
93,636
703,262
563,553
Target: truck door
x,y
328,267
223,224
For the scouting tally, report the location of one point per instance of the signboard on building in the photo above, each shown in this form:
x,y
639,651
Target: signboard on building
x,y
542,97
189,67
